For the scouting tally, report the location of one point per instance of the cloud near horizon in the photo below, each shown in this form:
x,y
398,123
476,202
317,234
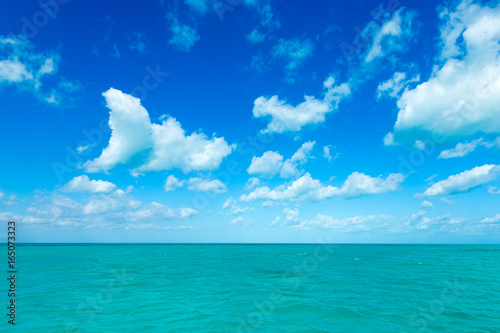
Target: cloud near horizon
x,y
308,189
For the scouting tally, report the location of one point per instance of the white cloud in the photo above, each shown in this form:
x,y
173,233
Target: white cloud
x,y
157,211
389,140
347,224
276,220
295,52
493,144
173,149
291,166
82,149
308,189
252,183
302,189
237,220
358,184
419,144
82,184
494,219
172,183
22,65
461,149
233,207
426,204
268,165
462,94
328,155
153,147
463,182
183,36
10,200
230,201
291,216
14,71
392,36
394,85
285,117
130,126
62,201
493,190
115,201
206,185
115,210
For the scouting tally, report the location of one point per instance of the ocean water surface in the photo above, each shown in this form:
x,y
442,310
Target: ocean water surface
x,y
258,288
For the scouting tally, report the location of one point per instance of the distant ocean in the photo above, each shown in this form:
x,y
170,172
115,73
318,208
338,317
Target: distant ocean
x,y
257,288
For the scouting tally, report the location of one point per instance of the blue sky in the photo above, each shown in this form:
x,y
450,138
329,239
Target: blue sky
x,y
251,121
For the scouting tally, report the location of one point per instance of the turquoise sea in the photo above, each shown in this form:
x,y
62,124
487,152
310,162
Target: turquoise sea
x,y
257,288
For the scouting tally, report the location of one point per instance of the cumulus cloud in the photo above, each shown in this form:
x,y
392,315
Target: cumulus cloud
x,y
183,36
308,189
394,85
82,184
358,184
303,189
463,182
118,200
286,117
172,183
206,185
157,211
462,94
291,166
268,165
173,149
114,210
153,147
252,183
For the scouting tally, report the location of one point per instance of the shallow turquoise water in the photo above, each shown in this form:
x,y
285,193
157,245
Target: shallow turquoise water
x,y
258,288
